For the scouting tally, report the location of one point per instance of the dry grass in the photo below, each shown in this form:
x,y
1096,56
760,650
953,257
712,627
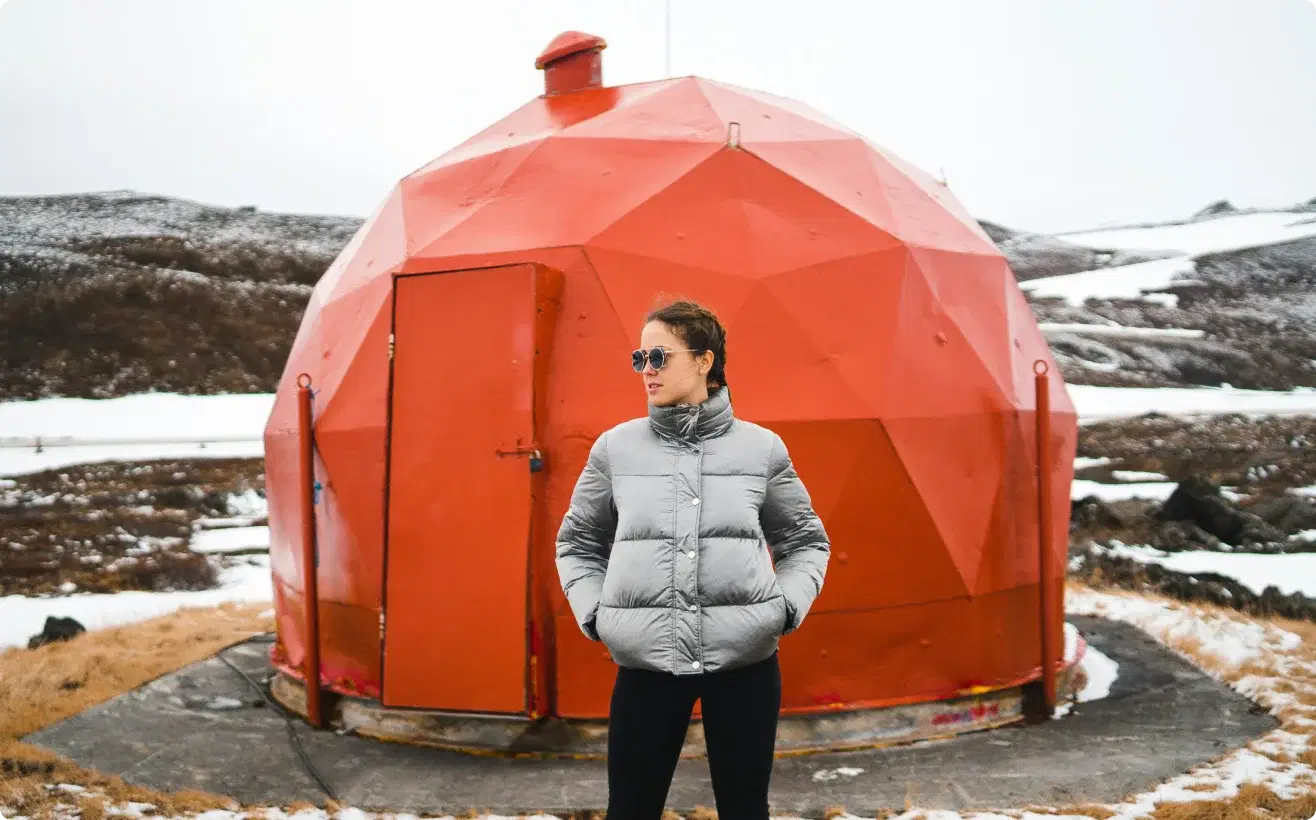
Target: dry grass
x,y
1289,675
1250,803
1093,811
54,682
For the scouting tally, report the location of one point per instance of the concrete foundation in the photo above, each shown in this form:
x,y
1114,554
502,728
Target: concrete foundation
x,y
841,730
201,728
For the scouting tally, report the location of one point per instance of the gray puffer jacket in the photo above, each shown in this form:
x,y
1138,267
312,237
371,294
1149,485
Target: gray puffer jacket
x,y
663,553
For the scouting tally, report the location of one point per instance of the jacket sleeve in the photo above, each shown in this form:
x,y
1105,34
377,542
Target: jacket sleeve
x,y
800,548
584,541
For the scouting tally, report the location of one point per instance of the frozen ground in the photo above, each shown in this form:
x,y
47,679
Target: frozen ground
x,y
229,540
1222,644
169,425
130,428
1289,573
21,617
16,461
142,418
1191,240
1224,298
1210,235
112,294
143,427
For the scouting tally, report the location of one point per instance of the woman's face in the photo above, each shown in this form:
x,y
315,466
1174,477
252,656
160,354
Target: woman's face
x,y
683,378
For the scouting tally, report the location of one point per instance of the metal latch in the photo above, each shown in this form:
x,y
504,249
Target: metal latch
x,y
536,457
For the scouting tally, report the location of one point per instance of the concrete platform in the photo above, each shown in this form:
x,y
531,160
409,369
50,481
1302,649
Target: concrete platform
x,y
198,728
831,731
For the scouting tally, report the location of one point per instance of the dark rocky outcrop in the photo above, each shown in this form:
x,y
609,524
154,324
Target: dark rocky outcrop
x,y
56,629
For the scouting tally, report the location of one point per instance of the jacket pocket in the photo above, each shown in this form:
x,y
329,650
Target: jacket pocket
x,y
601,623
785,616
590,627
788,615
632,635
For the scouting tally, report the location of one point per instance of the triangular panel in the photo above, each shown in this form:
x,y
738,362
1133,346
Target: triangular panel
x,y
769,118
887,550
777,370
565,192
971,289
850,333
636,284
931,369
1009,553
955,463
825,455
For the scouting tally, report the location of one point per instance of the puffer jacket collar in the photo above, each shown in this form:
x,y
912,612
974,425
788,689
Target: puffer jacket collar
x,y
694,422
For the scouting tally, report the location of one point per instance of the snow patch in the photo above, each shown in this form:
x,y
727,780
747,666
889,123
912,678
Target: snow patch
x,y
131,428
1101,673
1137,475
21,616
1081,462
1215,235
234,539
1095,403
1140,281
825,775
1149,490
1050,329
1123,282
140,418
1289,573
26,461
249,504
1229,641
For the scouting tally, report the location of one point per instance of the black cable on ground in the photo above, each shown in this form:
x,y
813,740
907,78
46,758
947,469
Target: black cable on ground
x,y
288,718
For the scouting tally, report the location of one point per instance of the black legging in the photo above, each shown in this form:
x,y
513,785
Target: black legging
x,y
647,724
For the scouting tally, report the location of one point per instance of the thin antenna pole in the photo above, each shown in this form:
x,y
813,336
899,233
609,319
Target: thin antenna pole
x,y
667,38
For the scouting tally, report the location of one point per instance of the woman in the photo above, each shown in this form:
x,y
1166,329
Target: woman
x,y
663,558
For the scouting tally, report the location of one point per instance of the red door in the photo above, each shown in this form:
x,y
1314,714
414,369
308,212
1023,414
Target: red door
x,y
459,498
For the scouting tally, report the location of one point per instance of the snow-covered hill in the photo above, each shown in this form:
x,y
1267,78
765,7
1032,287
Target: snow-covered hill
x,y
117,293
1039,255
1229,299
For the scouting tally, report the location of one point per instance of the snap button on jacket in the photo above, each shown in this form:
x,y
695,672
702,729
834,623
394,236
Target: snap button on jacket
x,y
667,551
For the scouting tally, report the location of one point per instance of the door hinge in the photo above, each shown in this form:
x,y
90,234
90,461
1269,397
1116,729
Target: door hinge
x,y
381,625
391,345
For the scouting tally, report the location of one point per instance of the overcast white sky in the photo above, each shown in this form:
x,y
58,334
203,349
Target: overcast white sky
x,y
1045,114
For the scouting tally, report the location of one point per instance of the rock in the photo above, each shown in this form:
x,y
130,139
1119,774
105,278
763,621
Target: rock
x,y
1217,208
1302,516
1103,569
1272,510
56,629
1198,501
1093,512
1257,532
1183,536
1274,603
1287,513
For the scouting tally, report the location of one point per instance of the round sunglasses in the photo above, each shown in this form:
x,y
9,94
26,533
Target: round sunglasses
x,y
658,357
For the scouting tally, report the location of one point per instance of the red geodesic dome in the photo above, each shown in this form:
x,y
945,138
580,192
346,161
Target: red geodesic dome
x,y
487,309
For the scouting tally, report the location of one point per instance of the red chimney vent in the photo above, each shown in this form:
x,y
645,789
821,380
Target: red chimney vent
x,y
572,62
